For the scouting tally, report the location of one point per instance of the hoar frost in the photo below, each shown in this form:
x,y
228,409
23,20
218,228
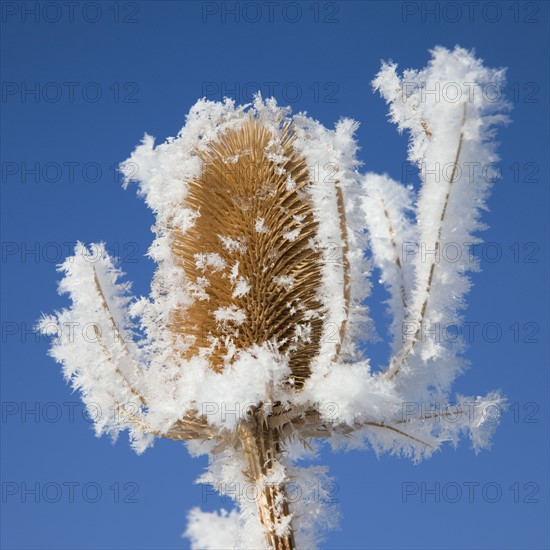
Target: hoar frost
x,y
130,356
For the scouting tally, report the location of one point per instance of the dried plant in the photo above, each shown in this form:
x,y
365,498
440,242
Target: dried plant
x,y
251,346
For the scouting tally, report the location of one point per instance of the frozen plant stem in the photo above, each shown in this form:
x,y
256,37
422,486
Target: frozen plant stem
x,y
261,446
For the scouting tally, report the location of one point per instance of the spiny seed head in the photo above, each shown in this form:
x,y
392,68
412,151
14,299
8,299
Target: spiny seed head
x,y
249,256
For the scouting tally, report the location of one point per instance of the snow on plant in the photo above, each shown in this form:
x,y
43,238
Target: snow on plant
x,y
251,343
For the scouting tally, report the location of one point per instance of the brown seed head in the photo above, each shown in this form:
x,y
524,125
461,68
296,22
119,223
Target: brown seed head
x,y
251,251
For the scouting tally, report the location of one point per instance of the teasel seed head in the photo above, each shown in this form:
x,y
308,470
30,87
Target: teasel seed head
x,y
250,255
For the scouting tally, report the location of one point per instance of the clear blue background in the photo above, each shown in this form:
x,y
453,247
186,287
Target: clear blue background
x,y
163,62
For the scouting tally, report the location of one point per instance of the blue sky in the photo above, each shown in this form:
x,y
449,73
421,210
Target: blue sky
x,y
80,87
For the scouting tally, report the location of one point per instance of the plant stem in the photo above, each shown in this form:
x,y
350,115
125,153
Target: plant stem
x,y
262,449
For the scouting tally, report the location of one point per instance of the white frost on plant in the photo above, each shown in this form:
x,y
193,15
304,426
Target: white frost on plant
x,y
120,353
291,235
393,241
260,226
211,260
213,530
94,337
230,313
332,158
402,228
451,120
232,245
242,287
285,281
